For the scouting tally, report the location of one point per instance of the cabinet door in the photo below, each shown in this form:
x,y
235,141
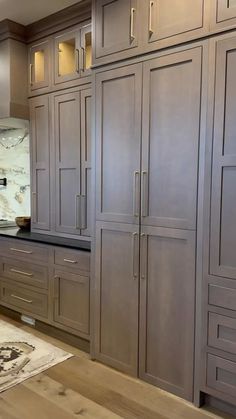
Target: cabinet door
x,y
223,226
40,163
117,287
86,50
40,66
116,26
66,56
71,301
86,192
226,10
118,139
168,18
171,121
167,291
67,144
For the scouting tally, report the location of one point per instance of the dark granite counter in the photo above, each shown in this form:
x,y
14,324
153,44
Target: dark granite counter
x,y
44,238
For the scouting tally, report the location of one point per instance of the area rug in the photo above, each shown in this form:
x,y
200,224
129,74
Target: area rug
x,y
23,355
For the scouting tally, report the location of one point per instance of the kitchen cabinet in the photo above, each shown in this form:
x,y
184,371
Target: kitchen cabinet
x,y
116,26
147,161
73,205
223,14
117,290
127,28
40,163
40,67
118,115
72,55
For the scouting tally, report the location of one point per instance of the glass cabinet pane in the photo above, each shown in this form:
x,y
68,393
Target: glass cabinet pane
x,y
39,66
67,57
88,50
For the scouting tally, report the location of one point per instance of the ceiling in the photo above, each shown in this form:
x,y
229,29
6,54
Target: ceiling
x,y
28,11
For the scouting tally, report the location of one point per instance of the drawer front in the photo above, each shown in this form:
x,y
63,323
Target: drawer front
x,y
74,259
222,332
25,273
222,297
23,299
21,250
221,374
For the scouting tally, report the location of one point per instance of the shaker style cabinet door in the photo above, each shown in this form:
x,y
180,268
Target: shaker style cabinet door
x,y
40,67
117,289
223,13
118,142
67,125
40,163
116,26
223,226
168,18
66,56
167,296
170,140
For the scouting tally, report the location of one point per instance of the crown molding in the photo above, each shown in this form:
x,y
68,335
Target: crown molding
x,y
12,30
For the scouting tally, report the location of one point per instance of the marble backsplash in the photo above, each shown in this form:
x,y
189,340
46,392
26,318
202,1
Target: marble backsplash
x,y
15,166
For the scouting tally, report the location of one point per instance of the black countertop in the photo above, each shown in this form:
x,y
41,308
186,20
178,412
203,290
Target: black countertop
x,y
44,238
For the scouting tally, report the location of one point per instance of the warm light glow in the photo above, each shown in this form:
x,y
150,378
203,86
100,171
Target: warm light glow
x,y
39,66
67,57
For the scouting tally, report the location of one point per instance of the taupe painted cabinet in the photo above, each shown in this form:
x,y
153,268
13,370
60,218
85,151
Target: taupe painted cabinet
x,y
124,28
61,141
147,141
223,14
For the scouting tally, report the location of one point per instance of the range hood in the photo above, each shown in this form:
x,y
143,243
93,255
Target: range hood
x,y
14,110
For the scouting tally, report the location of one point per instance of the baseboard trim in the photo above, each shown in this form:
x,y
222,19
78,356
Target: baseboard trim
x,y
220,405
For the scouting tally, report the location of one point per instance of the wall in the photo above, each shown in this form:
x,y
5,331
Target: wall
x,y
15,166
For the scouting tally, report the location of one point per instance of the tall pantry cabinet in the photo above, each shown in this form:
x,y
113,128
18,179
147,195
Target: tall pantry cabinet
x,y
148,117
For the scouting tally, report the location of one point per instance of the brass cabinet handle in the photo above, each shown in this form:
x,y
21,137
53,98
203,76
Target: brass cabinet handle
x,y
21,299
132,12
136,193
77,60
135,256
143,261
70,261
144,210
30,74
77,212
27,252
21,272
81,212
34,210
151,4
82,60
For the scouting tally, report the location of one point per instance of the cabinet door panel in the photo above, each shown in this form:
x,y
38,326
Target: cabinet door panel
x,y
67,141
113,26
171,121
223,230
40,155
66,56
167,309
118,115
168,18
117,260
40,66
226,10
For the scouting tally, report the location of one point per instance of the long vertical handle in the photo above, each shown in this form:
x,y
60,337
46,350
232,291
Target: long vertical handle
x,y
31,74
132,12
77,212
144,210
136,193
83,212
143,261
34,209
151,4
135,256
82,59
77,60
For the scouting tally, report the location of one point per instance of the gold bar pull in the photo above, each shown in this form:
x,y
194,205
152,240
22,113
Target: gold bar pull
x,y
21,299
132,12
151,4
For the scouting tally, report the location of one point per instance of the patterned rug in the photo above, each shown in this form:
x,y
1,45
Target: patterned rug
x,y
22,355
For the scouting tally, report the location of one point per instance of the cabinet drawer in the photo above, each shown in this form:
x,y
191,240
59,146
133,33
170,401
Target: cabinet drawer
x,y
23,299
221,374
75,259
25,273
222,332
222,297
21,250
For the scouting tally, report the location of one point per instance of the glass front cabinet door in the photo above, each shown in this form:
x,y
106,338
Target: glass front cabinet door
x,y
72,55
39,66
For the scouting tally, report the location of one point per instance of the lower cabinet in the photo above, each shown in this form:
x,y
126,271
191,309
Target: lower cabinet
x,y
54,290
145,286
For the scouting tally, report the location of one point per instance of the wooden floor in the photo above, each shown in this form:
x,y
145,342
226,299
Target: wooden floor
x,y
82,388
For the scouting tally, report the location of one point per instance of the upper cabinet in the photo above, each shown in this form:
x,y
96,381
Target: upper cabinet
x,y
63,60
39,66
126,28
223,14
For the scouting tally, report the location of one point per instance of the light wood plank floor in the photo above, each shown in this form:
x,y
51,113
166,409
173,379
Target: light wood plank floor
x,y
82,388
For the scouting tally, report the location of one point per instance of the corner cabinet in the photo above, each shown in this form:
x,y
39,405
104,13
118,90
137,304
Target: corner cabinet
x,y
60,128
